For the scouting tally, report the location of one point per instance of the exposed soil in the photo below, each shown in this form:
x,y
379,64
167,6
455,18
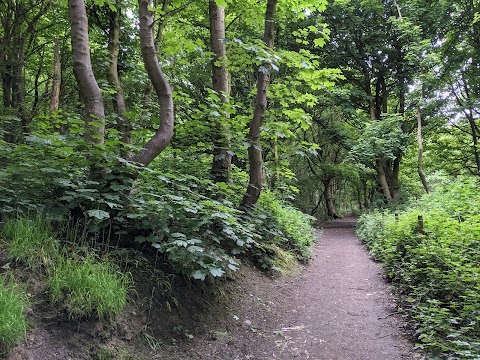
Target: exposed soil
x,y
336,307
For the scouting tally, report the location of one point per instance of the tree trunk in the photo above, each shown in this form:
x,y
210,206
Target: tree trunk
x,y
147,93
365,195
359,198
57,79
18,21
221,158
254,150
420,151
328,196
164,134
368,91
394,179
82,68
114,79
382,180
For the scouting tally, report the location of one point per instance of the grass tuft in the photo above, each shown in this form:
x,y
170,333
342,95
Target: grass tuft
x,y
30,240
88,288
12,319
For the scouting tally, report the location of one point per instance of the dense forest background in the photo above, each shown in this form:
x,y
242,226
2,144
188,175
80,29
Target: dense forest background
x,y
203,131
181,89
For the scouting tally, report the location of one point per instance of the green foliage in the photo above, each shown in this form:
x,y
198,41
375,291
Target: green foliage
x,y
181,217
280,227
13,323
85,287
383,138
62,174
437,267
30,240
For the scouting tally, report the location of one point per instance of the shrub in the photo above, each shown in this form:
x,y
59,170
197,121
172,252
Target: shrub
x,y
12,319
437,268
30,240
280,227
189,221
87,288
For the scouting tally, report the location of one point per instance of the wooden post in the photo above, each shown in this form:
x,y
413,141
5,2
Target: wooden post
x,y
420,224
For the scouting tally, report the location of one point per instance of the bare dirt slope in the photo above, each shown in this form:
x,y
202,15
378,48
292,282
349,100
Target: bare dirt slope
x,y
338,308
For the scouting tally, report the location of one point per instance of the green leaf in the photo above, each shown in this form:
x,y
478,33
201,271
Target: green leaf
x,y
98,214
217,272
199,275
221,3
194,248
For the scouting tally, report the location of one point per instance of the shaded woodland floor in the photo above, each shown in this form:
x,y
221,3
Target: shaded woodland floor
x,y
338,307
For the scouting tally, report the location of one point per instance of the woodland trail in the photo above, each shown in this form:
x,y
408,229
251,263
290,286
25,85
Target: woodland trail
x,y
338,308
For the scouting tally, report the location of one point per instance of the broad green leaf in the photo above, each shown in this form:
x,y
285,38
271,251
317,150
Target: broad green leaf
x,y
98,214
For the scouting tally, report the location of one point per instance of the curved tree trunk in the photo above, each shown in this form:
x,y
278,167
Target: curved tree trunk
x,y
147,93
82,68
221,158
114,79
164,134
254,150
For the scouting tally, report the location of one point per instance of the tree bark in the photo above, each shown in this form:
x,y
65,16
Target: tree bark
x,y
162,88
82,67
147,93
420,151
221,158
382,180
394,179
254,150
368,91
328,196
57,79
114,79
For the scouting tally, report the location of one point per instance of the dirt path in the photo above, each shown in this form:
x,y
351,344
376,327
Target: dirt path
x,y
338,308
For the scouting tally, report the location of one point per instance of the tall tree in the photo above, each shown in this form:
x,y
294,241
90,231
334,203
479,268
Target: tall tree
x,y
254,150
90,91
113,77
82,67
164,134
221,157
57,78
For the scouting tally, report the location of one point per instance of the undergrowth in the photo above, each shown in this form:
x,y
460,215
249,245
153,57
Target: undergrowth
x,y
192,223
13,323
286,233
78,281
436,268
86,287
30,240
